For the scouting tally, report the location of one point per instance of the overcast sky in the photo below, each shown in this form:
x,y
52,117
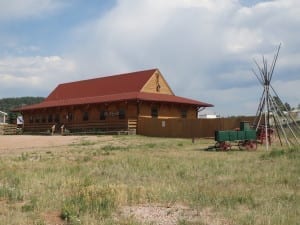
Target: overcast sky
x,y
204,48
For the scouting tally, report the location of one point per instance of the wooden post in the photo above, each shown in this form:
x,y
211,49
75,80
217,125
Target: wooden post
x,y
52,129
62,129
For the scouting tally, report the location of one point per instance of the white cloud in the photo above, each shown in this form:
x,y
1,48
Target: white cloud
x,y
17,9
288,91
211,5
242,39
33,75
204,48
10,79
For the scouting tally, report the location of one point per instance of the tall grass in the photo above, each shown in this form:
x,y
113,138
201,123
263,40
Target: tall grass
x,y
88,183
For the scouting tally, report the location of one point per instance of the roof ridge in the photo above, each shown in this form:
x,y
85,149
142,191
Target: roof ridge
x,y
109,76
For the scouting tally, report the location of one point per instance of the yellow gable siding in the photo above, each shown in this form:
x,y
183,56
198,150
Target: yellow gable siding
x,y
157,84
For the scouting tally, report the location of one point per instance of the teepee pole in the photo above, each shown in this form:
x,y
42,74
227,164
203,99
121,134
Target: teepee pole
x,y
275,111
285,126
266,116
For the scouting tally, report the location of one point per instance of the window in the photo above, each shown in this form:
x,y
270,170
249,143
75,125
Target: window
x,y
85,116
31,119
50,119
69,116
56,119
103,115
43,119
122,114
37,119
154,112
183,113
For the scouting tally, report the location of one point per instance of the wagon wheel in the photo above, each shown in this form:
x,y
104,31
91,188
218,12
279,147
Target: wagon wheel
x,y
224,146
254,145
251,145
241,145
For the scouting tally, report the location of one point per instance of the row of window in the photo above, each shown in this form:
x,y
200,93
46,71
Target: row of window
x,y
85,116
44,119
69,117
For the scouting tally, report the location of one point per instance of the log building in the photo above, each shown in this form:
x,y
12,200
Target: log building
x,y
112,103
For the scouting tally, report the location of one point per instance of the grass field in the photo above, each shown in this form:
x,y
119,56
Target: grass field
x,y
140,180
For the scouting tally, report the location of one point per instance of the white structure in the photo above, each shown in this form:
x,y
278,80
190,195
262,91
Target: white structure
x,y
209,116
20,120
295,114
3,117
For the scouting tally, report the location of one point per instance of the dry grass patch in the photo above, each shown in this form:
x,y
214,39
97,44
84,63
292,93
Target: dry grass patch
x,y
170,215
53,218
139,180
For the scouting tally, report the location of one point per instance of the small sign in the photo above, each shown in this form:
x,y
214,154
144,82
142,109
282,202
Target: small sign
x,y
163,123
20,120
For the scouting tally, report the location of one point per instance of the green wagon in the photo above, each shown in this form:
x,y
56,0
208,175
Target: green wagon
x,y
244,138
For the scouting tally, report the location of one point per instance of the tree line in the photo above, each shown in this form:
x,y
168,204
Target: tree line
x,y
8,104
283,106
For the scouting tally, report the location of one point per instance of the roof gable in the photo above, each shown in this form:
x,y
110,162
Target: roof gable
x,y
157,84
123,83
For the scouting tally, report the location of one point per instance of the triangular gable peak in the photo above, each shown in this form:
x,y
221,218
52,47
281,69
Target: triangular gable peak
x,y
157,84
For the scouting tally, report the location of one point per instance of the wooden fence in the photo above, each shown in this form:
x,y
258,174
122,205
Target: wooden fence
x,y
187,128
8,129
87,127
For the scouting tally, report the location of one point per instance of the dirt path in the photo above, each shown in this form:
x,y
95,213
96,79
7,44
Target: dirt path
x,y
21,143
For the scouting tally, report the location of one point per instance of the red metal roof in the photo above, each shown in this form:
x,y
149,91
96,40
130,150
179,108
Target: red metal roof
x,y
136,96
123,87
123,83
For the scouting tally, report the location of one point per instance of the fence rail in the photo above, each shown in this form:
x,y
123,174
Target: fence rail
x,y
8,129
84,127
